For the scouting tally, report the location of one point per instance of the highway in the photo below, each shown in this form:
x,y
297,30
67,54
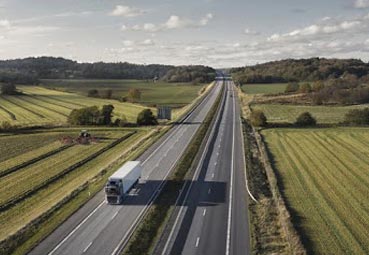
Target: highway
x,y
100,228
212,216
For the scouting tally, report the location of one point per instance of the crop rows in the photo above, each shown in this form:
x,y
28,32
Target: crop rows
x,y
27,210
326,183
24,182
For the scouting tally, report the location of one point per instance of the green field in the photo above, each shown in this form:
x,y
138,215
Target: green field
x,y
277,113
44,106
163,93
325,180
40,185
269,88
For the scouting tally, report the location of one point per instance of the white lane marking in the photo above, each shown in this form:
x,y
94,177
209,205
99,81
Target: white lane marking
x,y
76,228
215,163
229,221
203,214
209,191
189,189
218,153
115,215
212,176
197,242
88,246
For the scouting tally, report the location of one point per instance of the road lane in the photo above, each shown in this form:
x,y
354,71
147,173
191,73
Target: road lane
x,y
214,217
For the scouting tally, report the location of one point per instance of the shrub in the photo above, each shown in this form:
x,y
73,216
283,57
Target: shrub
x,y
8,89
292,87
146,118
305,119
93,93
357,117
305,88
317,86
258,118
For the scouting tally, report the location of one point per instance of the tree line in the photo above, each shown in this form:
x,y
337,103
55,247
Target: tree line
x,y
293,70
31,70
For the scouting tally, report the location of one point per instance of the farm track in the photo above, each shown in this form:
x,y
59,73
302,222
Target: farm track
x,y
14,200
33,161
325,180
22,107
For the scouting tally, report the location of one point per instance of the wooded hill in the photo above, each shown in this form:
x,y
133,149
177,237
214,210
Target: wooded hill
x,y
291,70
30,70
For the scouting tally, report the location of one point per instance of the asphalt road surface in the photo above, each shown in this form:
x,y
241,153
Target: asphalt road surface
x,y
100,228
212,217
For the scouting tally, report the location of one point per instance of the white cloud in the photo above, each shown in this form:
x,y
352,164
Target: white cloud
x,y
248,31
126,11
4,23
173,22
361,4
148,42
128,43
322,29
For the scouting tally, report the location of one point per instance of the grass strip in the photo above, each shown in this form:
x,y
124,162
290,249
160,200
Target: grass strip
x,y
34,160
22,107
149,229
11,115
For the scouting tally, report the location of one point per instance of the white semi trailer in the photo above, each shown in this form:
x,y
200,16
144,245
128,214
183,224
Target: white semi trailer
x,y
122,181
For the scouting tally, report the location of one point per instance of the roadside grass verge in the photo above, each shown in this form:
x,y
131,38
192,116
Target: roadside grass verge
x,y
323,175
149,229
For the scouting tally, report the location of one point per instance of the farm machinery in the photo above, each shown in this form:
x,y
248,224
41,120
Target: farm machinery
x,y
84,138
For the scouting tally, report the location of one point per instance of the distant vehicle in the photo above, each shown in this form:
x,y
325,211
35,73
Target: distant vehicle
x,y
84,138
121,182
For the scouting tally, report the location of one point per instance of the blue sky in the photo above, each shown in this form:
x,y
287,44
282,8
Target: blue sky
x,y
218,33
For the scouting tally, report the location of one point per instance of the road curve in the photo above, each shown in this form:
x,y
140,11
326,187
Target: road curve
x,y
99,228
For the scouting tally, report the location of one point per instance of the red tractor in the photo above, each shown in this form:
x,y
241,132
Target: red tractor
x,y
83,138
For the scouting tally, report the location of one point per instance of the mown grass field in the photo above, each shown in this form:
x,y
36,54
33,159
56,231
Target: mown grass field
x,y
159,93
18,184
323,174
44,106
267,88
277,113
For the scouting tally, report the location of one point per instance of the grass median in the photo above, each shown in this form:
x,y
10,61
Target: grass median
x,y
147,233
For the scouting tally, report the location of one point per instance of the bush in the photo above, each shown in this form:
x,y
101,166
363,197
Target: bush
x,y
305,119
357,117
292,87
93,93
146,118
8,89
318,86
258,118
305,88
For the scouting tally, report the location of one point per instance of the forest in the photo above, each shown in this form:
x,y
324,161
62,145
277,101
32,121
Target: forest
x,y
31,70
293,70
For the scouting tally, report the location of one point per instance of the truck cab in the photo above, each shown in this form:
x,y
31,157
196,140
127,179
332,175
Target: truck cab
x,y
114,191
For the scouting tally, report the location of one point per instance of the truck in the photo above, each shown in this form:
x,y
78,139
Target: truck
x,y
122,181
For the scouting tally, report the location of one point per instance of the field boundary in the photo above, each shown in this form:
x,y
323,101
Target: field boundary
x,y
6,205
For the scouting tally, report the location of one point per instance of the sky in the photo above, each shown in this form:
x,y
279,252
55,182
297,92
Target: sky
x,y
217,33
